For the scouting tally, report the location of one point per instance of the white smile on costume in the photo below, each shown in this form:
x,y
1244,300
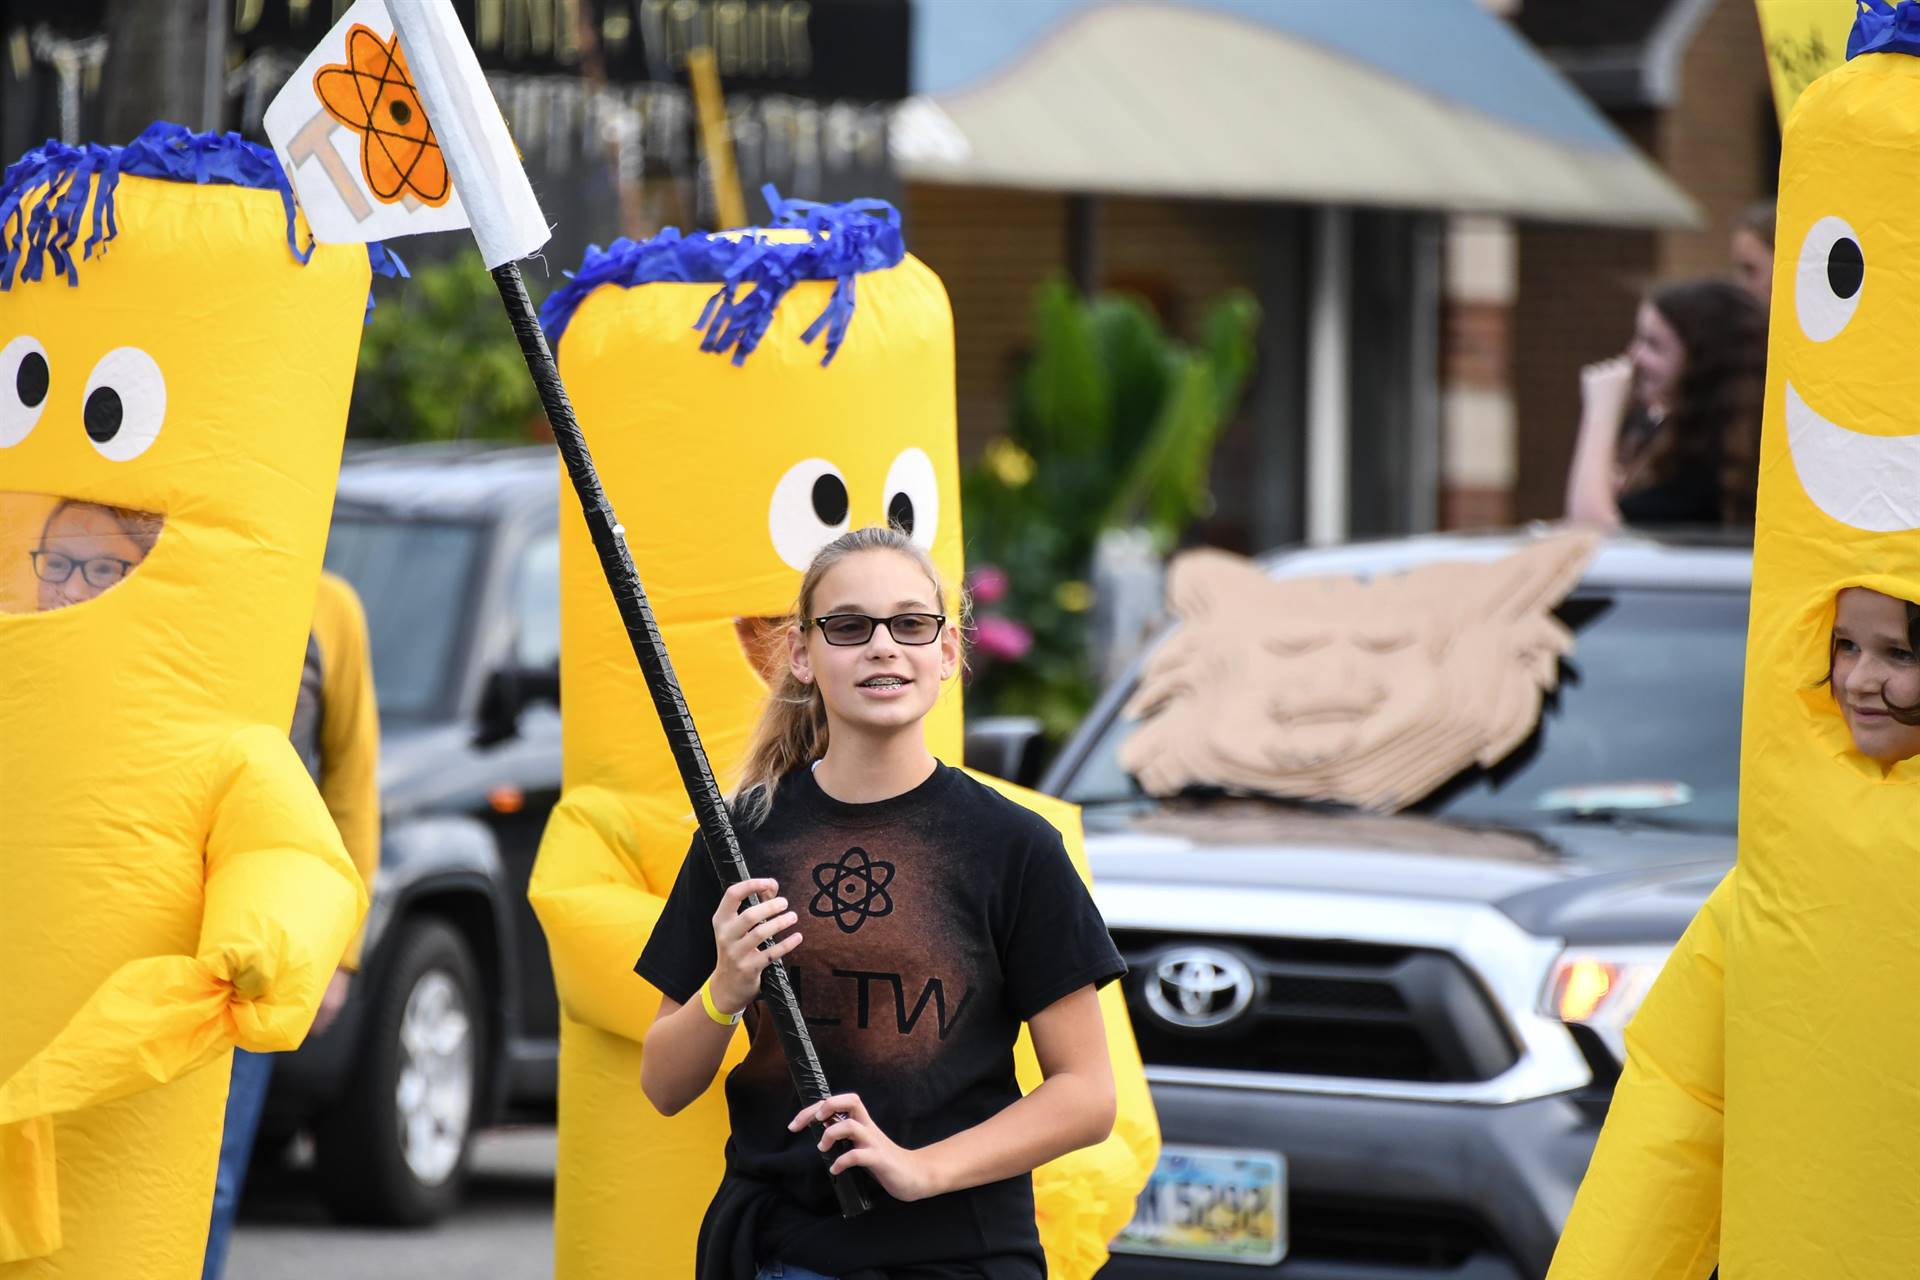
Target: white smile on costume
x,y
1865,482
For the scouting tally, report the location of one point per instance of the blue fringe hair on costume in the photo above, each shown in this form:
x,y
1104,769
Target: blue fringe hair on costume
x,y
28,241
1880,27
754,273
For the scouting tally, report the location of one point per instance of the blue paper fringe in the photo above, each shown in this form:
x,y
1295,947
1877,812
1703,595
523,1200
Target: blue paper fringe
x,y
167,151
1880,27
754,273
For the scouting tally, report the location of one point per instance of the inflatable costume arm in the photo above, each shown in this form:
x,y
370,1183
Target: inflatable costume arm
x,y
281,902
1649,1206
1083,1199
596,911
349,732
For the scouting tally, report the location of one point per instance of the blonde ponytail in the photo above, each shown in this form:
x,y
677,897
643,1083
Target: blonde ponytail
x,y
792,729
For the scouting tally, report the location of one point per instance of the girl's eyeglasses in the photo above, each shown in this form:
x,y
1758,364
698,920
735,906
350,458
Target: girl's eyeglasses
x,y
99,572
857,628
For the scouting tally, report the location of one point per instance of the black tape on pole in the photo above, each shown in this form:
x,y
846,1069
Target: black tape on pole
x,y
709,806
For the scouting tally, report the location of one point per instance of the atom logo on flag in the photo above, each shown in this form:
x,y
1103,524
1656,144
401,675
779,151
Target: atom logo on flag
x,y
852,890
372,94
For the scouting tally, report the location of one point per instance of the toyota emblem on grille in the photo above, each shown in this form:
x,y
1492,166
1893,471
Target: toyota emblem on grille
x,y
1199,987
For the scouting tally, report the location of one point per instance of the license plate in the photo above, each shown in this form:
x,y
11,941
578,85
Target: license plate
x,y
1212,1203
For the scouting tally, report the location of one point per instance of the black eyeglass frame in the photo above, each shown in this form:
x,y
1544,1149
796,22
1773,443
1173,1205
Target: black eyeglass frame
x,y
819,623
83,564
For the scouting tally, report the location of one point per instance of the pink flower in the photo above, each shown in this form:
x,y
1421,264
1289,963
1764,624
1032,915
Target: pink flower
x,y
1002,638
987,584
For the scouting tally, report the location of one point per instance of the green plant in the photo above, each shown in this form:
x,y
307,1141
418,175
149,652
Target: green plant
x,y
438,361
1113,426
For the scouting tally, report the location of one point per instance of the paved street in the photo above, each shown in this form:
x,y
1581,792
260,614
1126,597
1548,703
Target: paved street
x,y
504,1232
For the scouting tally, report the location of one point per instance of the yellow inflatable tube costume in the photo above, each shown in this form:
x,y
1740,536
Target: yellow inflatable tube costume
x,y
1767,1115
173,394
729,473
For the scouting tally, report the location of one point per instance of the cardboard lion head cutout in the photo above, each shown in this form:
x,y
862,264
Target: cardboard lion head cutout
x,y
1368,692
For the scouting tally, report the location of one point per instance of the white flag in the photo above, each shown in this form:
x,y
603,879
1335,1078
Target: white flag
x,y
377,126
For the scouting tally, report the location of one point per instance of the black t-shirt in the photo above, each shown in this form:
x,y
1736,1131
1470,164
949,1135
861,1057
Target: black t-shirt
x,y
936,922
1689,494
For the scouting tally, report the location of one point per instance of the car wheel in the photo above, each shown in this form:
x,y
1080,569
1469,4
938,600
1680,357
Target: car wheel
x,y
393,1150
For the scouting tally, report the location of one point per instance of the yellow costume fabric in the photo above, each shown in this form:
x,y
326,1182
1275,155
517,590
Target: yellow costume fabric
x,y
1766,1118
1805,39
713,466
170,883
349,732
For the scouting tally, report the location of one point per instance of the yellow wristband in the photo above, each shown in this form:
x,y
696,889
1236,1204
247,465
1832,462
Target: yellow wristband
x,y
713,1010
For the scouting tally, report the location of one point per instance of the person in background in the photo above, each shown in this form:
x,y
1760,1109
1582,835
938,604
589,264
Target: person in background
x,y
336,730
1669,431
1752,251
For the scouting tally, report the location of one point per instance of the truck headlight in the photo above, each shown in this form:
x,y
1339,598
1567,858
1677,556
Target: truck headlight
x,y
1601,988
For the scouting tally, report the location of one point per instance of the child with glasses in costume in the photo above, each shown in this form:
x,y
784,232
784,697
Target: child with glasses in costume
x,y
922,918
86,548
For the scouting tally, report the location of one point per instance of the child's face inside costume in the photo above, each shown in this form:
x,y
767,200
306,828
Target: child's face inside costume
x,y
882,685
1875,668
87,548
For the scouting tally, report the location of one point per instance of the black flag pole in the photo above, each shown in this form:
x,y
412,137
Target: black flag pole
x,y
709,806
498,203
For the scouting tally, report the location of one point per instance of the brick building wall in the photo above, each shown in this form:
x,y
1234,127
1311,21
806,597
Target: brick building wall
x,y
1476,374
993,247
1721,141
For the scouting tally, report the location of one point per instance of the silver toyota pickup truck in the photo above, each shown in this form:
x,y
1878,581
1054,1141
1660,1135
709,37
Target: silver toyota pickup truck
x,y
1381,1046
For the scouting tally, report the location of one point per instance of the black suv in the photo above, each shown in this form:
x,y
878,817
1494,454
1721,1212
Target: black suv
x,y
453,1018
1381,1047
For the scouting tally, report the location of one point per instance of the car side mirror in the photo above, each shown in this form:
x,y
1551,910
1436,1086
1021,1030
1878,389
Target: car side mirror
x,y
1005,746
509,691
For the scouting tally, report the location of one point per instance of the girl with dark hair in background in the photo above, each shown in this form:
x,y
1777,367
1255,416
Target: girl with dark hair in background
x,y
1670,431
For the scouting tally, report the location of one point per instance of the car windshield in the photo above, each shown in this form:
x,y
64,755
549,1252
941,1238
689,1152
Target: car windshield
x,y
1643,729
414,578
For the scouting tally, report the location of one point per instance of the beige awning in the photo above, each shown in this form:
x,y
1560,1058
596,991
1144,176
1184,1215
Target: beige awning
x,y
1247,100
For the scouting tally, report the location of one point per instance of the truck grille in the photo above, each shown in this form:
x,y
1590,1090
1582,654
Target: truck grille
x,y
1318,1008
1412,1237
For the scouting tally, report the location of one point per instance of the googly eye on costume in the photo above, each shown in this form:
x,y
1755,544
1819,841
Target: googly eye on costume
x,y
810,508
1828,278
25,380
124,404
913,496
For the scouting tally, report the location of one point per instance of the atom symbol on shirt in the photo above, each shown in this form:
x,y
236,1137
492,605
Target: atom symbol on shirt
x,y
852,890
372,94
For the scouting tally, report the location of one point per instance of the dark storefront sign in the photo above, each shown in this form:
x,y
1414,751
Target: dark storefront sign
x,y
821,49
595,90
